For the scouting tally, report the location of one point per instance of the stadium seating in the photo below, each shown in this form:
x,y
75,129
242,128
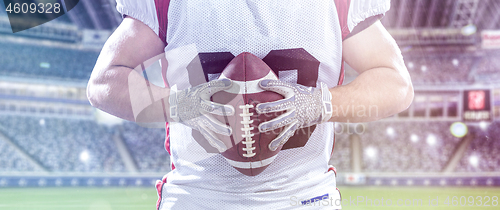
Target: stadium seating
x,y
407,147
40,62
439,70
450,69
12,161
64,145
482,153
341,156
59,145
488,68
147,147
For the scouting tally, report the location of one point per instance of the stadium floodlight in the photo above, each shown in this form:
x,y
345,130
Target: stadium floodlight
x,y
59,182
90,182
455,62
431,139
42,182
411,65
468,30
22,182
489,182
371,152
483,125
74,182
423,68
390,131
458,129
84,156
122,182
414,138
138,182
3,182
474,160
106,182
45,65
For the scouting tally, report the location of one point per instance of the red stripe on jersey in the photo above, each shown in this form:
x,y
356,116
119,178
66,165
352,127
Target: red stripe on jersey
x,y
341,76
333,146
162,14
332,168
167,138
342,11
159,189
167,143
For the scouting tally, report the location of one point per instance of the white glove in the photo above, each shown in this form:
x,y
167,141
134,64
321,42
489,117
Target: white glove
x,y
304,106
192,107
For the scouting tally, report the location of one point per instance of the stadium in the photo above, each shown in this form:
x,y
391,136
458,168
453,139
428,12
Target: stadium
x,y
58,152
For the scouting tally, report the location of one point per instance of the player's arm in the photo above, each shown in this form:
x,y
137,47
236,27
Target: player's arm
x,y
383,86
114,85
117,86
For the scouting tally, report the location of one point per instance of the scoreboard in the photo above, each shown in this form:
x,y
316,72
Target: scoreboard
x,y
477,106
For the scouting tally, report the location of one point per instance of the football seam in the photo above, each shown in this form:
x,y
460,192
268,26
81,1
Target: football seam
x,y
247,135
246,114
250,155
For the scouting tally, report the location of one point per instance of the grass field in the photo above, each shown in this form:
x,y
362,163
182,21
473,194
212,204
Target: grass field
x,y
145,198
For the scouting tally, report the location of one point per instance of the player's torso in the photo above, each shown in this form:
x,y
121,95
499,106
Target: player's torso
x,y
294,38
300,41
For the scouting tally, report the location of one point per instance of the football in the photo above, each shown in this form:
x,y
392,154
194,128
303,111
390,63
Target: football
x,y
248,149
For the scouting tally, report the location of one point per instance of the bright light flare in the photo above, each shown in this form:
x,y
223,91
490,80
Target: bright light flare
x,y
458,129
474,160
390,131
84,156
483,125
431,139
371,152
414,138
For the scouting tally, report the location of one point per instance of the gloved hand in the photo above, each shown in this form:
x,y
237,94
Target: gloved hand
x,y
305,106
192,107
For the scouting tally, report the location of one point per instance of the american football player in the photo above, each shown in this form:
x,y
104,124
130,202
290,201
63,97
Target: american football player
x,y
304,43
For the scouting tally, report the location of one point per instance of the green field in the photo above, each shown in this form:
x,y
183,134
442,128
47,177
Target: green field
x,y
145,198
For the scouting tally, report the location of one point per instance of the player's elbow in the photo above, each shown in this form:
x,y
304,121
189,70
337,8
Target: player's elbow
x,y
408,99
93,94
97,90
107,90
406,93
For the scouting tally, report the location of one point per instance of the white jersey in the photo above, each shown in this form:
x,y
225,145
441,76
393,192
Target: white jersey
x,y
302,42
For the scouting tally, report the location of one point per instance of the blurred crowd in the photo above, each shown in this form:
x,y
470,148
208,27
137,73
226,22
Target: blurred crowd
x,y
40,62
70,145
407,147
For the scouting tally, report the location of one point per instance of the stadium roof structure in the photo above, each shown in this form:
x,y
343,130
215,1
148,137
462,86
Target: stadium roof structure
x,y
87,14
443,14
441,21
404,14
426,30
411,22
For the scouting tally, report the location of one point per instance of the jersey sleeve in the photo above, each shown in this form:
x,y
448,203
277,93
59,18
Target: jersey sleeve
x,y
360,10
142,10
